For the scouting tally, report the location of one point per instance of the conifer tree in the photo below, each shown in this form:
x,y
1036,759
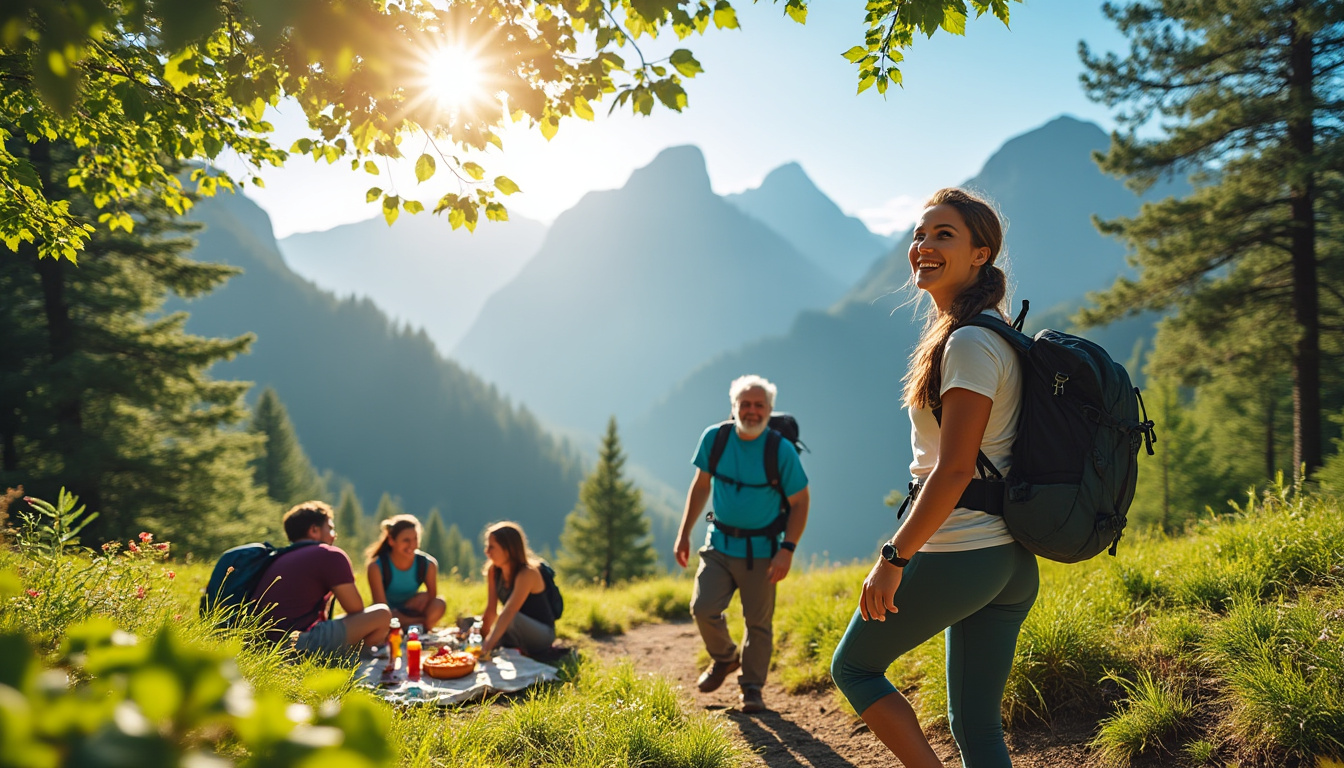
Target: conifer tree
x,y
1181,479
104,394
1249,98
461,553
436,539
606,537
283,468
350,522
388,506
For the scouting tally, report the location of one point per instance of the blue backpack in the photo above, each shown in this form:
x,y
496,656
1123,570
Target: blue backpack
x,y
236,576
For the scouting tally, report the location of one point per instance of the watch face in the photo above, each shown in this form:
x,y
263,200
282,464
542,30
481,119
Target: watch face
x,y
888,552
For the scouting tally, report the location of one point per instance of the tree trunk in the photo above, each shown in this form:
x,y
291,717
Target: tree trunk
x,y
1302,197
67,406
1270,413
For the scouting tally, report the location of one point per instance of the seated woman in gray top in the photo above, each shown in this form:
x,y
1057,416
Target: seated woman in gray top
x,y
514,577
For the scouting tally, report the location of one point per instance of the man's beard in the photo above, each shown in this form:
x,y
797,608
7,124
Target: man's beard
x,y
755,431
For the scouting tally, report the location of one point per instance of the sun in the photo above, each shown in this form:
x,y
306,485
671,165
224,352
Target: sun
x,y
454,78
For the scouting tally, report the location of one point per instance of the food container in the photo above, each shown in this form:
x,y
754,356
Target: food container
x,y
448,665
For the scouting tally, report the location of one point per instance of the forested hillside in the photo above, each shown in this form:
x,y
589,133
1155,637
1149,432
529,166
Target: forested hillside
x,y
631,290
373,401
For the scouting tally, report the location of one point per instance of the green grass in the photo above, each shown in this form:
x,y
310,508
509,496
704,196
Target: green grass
x,y
1152,715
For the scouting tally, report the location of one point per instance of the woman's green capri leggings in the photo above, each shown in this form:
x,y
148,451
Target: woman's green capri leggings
x,y
981,596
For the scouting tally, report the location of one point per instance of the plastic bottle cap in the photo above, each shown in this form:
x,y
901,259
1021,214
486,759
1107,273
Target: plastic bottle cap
x,y
396,624
414,635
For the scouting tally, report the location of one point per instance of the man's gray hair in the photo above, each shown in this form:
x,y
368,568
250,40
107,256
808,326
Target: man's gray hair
x,y
752,381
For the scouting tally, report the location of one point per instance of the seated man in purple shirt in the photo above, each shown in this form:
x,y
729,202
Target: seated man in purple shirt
x,y
296,590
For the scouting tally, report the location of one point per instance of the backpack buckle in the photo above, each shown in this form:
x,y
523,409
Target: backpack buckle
x,y
1060,378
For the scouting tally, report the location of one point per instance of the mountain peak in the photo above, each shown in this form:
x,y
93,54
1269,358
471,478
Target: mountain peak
x,y
681,168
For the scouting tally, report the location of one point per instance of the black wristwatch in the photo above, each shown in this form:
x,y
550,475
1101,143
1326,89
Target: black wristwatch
x,y
893,555
789,545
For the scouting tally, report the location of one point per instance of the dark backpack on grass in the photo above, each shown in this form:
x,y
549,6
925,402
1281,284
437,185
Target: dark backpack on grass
x,y
1075,457
552,593
236,575
782,426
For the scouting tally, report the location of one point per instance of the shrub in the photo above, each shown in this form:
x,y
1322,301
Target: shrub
x,y
1153,713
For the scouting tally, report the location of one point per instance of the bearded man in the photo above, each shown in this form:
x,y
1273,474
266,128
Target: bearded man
x,y
754,529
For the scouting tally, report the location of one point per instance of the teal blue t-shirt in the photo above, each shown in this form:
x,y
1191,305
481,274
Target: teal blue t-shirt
x,y
744,461
403,585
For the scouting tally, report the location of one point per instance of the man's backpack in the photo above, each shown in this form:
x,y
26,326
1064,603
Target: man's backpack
x,y
782,426
385,566
236,576
1075,457
553,596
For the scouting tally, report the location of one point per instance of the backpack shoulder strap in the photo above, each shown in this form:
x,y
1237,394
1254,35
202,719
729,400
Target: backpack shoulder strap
x,y
772,438
421,567
1015,338
720,443
385,565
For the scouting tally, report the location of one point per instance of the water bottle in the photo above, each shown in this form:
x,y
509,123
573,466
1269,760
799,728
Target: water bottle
x,y
394,641
413,656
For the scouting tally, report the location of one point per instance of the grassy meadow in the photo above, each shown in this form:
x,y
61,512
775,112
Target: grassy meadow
x,y
1218,646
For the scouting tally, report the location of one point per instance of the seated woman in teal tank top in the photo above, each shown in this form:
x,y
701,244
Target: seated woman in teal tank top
x,y
397,568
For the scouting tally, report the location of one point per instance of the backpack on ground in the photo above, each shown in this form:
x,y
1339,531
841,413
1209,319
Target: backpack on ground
x,y
552,593
781,426
1075,457
236,576
385,565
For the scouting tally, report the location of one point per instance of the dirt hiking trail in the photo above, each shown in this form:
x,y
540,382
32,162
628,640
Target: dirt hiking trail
x,y
810,730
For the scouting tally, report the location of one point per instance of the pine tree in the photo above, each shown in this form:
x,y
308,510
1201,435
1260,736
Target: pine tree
x,y
350,522
1180,479
461,553
1250,98
283,468
388,506
606,537
103,393
436,540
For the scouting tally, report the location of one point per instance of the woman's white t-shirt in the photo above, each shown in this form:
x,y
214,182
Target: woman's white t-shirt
x,y
979,360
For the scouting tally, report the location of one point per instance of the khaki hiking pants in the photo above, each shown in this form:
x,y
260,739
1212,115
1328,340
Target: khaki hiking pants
x,y
716,580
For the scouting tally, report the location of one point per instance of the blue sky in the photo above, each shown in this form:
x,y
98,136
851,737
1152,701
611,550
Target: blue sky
x,y
775,92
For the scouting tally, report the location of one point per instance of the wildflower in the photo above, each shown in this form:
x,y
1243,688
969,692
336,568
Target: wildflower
x,y
162,547
171,575
107,546
132,547
34,593
140,592
146,536
29,499
177,617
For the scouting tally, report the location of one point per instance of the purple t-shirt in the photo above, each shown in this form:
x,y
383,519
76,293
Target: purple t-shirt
x,y
302,596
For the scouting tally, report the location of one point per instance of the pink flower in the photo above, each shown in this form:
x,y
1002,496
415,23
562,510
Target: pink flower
x,y
34,593
108,546
29,499
146,536
162,547
171,575
131,546
140,592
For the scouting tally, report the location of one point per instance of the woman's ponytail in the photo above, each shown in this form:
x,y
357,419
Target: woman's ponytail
x,y
924,379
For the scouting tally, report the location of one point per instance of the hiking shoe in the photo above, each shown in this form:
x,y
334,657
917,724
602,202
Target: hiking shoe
x,y
715,674
752,701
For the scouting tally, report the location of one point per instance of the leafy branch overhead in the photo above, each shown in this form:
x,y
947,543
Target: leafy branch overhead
x,y
135,86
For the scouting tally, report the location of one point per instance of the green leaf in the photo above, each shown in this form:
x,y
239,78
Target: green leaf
x,y
373,194
685,63
724,16
496,212
371,167
796,11
181,69
954,21
424,168
856,54
456,217
412,206
505,185
474,171
582,109
390,209
867,82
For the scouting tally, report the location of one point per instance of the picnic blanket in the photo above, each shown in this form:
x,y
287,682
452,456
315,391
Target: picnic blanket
x,y
507,672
